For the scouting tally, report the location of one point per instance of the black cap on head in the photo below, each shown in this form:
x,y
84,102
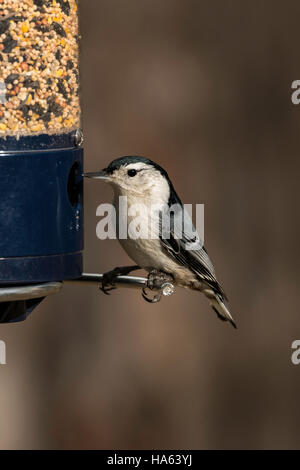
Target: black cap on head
x,y
127,160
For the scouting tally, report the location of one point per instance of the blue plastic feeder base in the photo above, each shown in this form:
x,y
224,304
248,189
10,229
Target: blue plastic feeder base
x,y
41,209
40,268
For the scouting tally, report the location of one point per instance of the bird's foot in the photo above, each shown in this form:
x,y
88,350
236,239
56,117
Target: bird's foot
x,y
158,281
109,278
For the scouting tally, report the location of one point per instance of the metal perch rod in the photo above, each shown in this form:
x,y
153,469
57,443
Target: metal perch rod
x,y
8,294
133,282
164,288
34,291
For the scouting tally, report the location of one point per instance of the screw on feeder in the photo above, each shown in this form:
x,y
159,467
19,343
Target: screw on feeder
x,y
167,289
160,282
78,138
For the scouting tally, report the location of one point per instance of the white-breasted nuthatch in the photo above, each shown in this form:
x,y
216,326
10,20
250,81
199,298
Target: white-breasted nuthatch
x,y
146,184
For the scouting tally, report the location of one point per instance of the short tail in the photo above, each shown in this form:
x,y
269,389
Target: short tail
x,y
218,305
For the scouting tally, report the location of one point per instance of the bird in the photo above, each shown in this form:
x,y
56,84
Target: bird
x,y
145,183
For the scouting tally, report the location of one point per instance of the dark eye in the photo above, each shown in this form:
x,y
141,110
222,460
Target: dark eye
x,y
131,172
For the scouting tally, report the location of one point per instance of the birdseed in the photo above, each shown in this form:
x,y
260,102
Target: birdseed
x,y
39,75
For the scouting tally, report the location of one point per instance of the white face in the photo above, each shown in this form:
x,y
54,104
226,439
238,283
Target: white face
x,y
140,180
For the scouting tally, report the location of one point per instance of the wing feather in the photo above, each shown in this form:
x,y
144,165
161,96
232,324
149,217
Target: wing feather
x,y
197,260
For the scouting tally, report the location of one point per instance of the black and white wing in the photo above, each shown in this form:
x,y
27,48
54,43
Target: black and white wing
x,y
189,251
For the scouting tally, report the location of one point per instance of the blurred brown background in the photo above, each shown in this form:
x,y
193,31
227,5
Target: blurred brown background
x,y
203,88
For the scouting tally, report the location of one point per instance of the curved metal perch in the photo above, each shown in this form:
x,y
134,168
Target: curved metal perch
x,y
165,289
121,281
35,291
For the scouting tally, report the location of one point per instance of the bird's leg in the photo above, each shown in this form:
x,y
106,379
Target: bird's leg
x,y
158,281
110,277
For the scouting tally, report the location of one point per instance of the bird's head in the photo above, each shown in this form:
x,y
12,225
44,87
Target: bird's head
x,y
136,176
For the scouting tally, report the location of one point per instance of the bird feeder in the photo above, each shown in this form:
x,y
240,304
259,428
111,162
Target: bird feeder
x,y
41,157
41,154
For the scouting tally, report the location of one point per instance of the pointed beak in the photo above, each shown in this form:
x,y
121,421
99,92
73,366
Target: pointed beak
x,y
99,175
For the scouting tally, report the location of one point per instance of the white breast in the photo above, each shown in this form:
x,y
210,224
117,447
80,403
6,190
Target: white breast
x,y
147,253
144,250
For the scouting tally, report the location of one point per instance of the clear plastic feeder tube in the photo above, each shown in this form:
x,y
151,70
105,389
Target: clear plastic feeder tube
x,y
39,76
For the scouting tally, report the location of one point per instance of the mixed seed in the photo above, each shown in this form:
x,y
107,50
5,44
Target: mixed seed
x,y
39,78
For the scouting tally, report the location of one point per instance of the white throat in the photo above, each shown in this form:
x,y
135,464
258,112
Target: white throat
x,y
153,194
